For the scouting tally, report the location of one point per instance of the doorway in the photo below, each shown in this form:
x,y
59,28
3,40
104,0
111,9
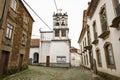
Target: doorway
x,y
20,61
36,58
4,62
47,61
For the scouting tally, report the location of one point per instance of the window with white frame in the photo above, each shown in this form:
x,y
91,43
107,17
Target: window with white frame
x,y
13,4
61,59
9,31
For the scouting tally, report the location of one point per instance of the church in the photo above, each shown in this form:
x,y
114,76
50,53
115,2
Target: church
x,y
55,45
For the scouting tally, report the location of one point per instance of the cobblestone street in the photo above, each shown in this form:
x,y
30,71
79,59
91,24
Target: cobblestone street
x,y
48,73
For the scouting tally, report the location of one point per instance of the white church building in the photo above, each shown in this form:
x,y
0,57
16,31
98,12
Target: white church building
x,y
55,45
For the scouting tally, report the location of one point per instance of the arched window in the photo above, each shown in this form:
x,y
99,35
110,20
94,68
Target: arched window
x,y
63,23
35,58
57,24
109,55
98,55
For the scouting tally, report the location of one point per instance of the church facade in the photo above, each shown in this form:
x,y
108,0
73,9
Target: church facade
x,y
55,45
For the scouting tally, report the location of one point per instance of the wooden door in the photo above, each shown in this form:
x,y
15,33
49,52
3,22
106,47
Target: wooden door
x,y
20,61
47,61
4,62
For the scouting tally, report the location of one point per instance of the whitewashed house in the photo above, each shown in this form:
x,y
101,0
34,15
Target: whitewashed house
x,y
75,57
34,51
103,21
55,45
85,44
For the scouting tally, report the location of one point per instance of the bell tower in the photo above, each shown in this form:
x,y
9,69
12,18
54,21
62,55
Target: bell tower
x,y
60,26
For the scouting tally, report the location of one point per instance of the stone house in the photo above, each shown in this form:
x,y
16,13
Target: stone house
x,y
15,40
103,26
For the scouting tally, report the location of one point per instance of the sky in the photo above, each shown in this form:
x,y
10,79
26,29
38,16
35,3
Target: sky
x,y
46,8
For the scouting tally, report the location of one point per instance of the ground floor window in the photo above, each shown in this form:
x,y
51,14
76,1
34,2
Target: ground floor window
x,y
109,55
61,59
99,61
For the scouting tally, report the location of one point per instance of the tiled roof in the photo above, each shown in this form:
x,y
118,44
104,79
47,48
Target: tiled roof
x,y
73,50
34,43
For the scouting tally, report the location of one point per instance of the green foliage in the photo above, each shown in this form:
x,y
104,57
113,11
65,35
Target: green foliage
x,y
1,77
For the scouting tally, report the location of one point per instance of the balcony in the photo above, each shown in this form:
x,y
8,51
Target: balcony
x,y
116,20
95,38
89,47
105,31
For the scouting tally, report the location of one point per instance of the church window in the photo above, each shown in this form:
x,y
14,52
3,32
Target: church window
x,y
56,33
63,23
63,33
57,24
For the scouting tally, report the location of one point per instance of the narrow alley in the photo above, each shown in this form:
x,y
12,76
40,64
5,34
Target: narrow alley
x,y
50,73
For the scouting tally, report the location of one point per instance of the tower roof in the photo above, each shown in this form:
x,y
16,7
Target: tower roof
x,y
60,14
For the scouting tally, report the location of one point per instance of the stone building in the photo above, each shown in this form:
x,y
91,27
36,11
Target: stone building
x,y
15,40
34,51
101,37
55,45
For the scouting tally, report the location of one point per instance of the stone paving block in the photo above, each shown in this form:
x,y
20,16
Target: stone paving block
x,y
50,73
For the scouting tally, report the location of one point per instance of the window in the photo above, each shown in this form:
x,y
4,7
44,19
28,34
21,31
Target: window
x,y
118,7
63,23
99,58
57,24
9,31
24,40
63,33
61,59
88,35
56,33
94,31
13,4
109,55
103,18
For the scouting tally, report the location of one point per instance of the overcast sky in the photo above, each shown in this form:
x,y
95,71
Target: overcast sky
x,y
46,8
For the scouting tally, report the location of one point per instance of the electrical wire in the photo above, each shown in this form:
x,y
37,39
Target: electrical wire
x,y
55,5
37,14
